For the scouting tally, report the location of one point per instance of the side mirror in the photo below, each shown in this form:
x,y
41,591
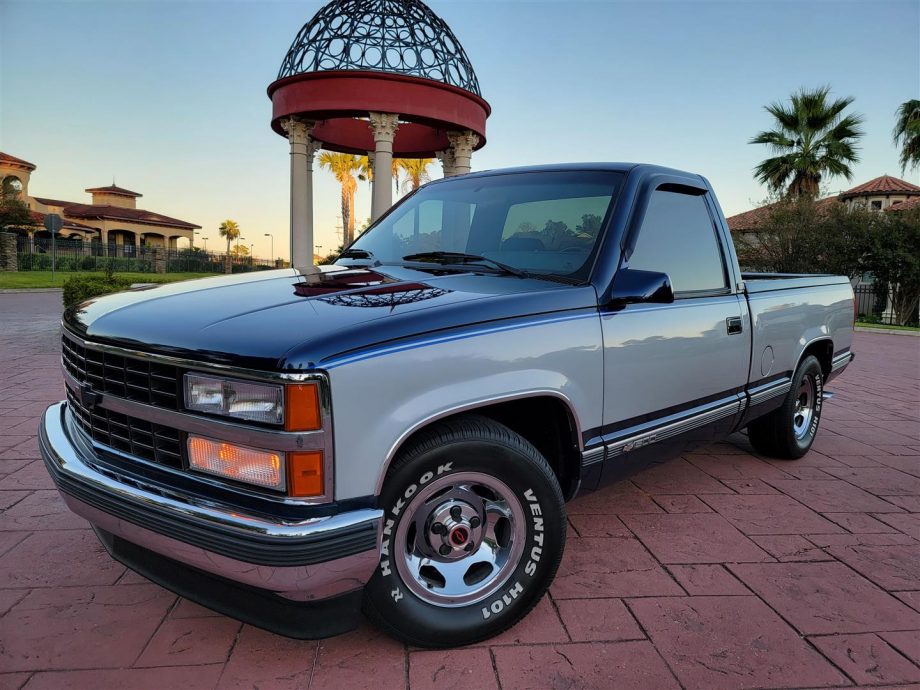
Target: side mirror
x,y
631,286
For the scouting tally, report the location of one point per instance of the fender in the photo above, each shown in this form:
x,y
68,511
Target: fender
x,y
469,407
378,402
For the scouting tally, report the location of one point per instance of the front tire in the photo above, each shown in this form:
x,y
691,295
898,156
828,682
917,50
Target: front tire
x,y
788,432
474,529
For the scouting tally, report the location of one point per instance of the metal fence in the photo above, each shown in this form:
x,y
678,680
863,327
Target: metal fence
x,y
872,304
35,254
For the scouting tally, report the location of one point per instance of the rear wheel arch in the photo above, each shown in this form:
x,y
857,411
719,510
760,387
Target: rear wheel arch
x,y
823,350
545,419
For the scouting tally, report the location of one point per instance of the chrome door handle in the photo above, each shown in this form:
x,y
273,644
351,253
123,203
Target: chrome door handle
x,y
733,325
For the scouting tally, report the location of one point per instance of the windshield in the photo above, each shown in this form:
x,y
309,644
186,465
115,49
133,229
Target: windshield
x,y
542,223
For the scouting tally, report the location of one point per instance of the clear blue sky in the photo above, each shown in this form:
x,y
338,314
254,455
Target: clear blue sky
x,y
169,97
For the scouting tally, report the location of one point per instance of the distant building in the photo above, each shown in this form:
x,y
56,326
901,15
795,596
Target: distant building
x,y
881,193
884,193
112,218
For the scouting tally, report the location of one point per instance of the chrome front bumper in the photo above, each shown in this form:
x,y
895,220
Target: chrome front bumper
x,y
305,561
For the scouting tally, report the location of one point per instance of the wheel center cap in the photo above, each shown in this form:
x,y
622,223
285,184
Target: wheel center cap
x,y
459,535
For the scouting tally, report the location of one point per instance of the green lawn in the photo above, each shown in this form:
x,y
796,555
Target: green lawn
x,y
42,279
882,325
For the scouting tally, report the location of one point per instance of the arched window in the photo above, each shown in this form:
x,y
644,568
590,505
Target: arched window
x,y
12,186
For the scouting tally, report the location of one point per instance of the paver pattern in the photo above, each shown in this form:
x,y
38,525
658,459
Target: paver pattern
x,y
720,569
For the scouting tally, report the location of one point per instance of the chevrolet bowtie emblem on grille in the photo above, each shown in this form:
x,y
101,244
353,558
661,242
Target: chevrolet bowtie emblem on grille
x,y
88,397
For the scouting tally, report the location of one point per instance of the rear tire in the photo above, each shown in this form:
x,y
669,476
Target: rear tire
x,y
474,529
788,432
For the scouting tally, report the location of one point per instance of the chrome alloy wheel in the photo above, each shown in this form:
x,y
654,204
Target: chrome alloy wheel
x,y
460,539
804,410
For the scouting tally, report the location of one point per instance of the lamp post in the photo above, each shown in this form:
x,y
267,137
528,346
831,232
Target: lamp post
x,y
268,234
205,244
192,241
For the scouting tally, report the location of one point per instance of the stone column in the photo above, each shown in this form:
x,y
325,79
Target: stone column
x,y
9,259
383,126
890,315
447,161
462,145
302,150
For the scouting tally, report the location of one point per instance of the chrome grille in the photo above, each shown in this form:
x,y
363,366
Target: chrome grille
x,y
137,437
131,378
125,377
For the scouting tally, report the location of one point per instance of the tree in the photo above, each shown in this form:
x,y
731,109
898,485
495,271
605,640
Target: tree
x,y
415,169
907,134
590,225
800,235
231,230
812,139
346,168
239,251
14,213
894,260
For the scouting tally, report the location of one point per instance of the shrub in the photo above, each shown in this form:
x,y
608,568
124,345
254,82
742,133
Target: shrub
x,y
79,288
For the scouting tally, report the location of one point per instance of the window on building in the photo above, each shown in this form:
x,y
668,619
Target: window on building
x,y
12,186
876,205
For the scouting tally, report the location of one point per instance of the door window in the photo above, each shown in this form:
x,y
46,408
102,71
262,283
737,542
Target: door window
x,y
677,237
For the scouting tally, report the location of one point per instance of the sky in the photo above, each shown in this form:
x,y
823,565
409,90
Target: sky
x,y
168,98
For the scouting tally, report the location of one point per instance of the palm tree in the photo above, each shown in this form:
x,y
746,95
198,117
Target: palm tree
x,y
907,134
812,138
415,169
231,230
345,167
367,170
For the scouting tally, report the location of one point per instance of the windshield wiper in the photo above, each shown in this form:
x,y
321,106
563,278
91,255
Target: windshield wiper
x,y
463,259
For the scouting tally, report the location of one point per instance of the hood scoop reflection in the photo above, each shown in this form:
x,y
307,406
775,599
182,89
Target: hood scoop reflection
x,y
365,288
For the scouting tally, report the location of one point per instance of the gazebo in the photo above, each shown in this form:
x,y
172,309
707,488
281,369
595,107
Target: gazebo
x,y
385,78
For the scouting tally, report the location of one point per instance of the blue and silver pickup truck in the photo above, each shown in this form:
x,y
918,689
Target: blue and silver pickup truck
x,y
399,432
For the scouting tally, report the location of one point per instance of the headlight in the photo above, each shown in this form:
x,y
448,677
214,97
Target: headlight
x,y
257,402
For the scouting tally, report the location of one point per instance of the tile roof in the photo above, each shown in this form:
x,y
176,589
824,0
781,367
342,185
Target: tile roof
x,y
134,215
7,158
112,189
886,184
752,220
909,203
39,219
53,202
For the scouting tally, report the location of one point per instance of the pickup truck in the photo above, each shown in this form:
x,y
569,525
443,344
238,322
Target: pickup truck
x,y
398,433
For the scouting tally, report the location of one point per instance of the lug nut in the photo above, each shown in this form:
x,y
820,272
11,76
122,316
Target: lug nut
x,y
475,521
456,513
469,547
438,528
444,550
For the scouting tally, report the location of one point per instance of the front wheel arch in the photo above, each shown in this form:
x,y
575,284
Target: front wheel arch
x,y
546,419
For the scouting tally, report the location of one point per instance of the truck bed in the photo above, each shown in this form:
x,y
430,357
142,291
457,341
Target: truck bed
x,y
769,282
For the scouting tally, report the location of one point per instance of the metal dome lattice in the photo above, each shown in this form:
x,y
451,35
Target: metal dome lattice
x,y
396,36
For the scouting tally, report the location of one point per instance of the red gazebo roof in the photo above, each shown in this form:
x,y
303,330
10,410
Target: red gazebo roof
x,y
379,56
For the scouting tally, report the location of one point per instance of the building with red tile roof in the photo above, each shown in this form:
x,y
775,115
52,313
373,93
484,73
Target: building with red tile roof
x,y
112,218
880,194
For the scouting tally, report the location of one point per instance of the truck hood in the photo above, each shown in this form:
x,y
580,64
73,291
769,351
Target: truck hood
x,y
298,319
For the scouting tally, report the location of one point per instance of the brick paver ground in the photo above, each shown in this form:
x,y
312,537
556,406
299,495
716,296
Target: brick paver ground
x,y
717,570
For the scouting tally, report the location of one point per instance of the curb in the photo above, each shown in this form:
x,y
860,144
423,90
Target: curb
x,y
19,291
886,331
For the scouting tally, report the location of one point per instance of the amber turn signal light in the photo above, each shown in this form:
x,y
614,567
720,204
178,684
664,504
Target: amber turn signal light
x,y
250,465
305,473
301,407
